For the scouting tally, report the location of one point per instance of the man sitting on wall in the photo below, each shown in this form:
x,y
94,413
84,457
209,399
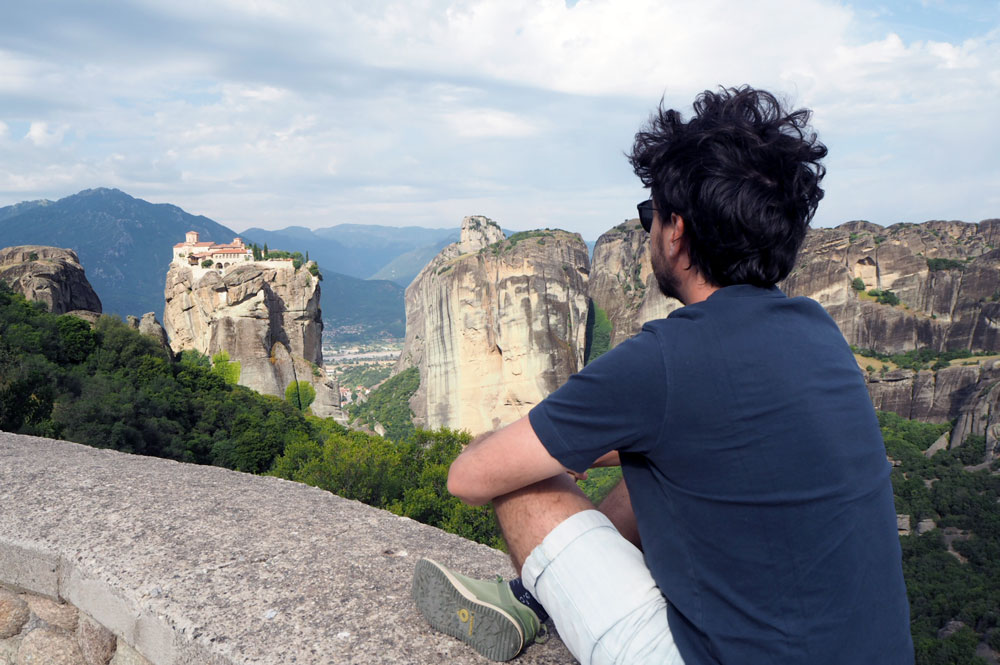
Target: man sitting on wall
x,y
755,521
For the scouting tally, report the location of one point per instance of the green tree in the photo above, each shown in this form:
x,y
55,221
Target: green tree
x,y
598,333
300,394
389,405
858,284
228,369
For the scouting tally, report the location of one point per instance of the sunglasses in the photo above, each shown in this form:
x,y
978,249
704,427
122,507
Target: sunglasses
x,y
646,212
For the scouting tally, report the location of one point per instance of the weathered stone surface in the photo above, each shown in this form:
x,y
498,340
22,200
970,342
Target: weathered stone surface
x,y
622,281
150,327
57,615
940,309
267,318
8,650
925,525
211,553
495,325
14,613
126,655
49,275
968,394
903,524
97,643
49,646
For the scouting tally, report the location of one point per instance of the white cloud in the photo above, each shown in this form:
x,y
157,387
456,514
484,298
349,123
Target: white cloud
x,y
513,106
43,137
480,123
4,130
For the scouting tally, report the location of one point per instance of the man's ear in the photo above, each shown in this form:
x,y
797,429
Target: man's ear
x,y
675,240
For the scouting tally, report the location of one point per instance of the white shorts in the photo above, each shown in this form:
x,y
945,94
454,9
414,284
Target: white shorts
x,y
597,589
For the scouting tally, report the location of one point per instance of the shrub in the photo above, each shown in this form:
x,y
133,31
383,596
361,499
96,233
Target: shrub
x,y
858,284
207,263
885,297
229,371
944,264
300,394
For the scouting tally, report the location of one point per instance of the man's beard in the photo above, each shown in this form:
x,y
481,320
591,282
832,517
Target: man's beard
x,y
668,283
664,275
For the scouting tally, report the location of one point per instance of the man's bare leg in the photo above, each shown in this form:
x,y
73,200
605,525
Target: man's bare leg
x,y
617,505
527,515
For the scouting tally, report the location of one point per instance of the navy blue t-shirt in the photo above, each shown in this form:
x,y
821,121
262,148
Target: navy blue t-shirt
x,y
758,477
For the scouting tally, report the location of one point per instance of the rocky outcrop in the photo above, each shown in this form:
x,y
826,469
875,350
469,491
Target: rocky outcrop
x,y
149,327
622,281
49,275
495,324
266,318
946,275
967,394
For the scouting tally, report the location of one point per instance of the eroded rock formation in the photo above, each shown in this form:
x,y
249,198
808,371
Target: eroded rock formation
x,y
49,275
955,305
149,327
266,318
494,325
622,281
968,394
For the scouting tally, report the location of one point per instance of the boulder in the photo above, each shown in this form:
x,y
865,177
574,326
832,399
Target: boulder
x,y
48,275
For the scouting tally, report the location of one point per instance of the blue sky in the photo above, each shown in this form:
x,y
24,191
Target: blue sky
x,y
302,112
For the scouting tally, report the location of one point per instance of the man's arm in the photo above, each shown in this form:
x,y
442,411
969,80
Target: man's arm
x,y
501,462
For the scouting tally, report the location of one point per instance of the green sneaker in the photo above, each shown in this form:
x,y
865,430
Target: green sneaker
x,y
483,614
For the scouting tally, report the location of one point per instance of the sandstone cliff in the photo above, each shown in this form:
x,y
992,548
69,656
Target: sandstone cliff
x,y
955,306
622,281
969,395
266,318
49,275
495,324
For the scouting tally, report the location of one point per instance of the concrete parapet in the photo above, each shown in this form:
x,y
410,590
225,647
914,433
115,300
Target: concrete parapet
x,y
191,564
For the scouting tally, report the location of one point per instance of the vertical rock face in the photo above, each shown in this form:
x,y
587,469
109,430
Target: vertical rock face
x,y
622,282
970,395
266,318
956,306
494,325
50,275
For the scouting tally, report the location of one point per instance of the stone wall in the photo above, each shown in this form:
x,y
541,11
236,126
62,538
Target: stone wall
x,y
178,564
36,629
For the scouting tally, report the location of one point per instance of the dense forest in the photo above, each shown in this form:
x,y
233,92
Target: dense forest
x,y
111,387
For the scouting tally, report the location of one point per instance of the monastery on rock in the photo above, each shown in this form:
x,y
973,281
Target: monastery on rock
x,y
223,256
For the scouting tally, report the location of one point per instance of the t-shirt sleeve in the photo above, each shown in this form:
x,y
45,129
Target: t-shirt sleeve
x,y
614,403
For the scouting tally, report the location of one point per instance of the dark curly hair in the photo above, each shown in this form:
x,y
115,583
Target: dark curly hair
x,y
743,173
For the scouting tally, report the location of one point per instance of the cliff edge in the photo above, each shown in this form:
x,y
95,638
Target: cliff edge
x,y
197,565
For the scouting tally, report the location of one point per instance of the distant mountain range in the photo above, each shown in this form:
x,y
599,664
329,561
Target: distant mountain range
x,y
365,251
124,244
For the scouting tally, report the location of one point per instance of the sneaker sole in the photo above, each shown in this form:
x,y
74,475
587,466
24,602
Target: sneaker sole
x,y
452,609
